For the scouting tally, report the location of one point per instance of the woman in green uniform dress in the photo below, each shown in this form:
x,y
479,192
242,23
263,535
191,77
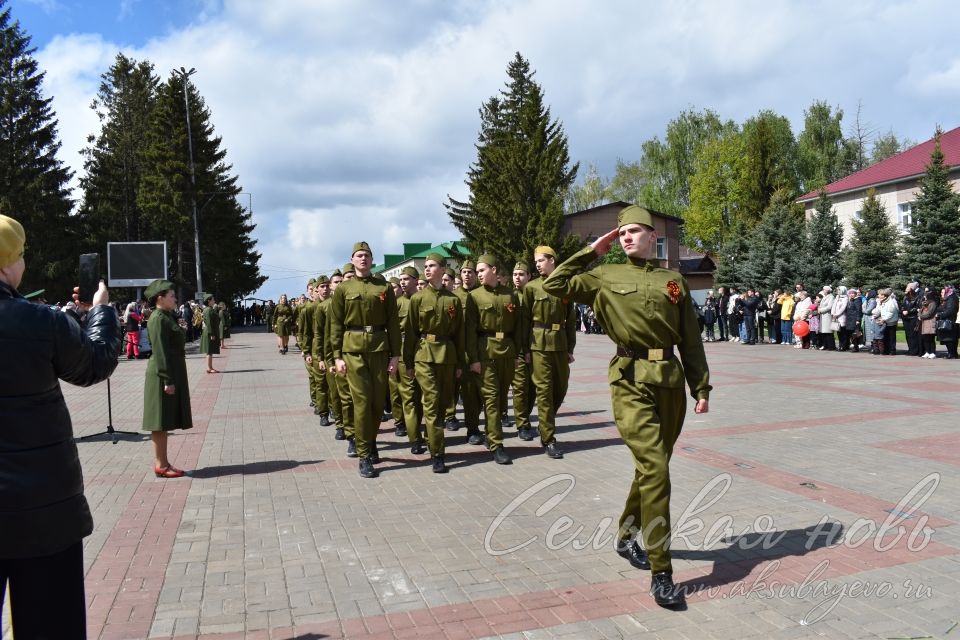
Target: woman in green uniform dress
x,y
224,325
282,323
166,390
210,337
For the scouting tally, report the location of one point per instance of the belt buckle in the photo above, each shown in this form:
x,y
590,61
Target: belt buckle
x,y
368,328
654,354
555,326
498,335
431,337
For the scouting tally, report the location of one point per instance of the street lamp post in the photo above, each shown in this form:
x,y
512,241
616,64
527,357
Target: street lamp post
x,y
184,74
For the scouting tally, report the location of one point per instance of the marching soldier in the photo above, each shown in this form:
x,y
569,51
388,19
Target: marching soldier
x,y
304,337
433,352
494,326
394,401
342,415
365,334
469,382
522,384
647,311
411,408
552,337
315,350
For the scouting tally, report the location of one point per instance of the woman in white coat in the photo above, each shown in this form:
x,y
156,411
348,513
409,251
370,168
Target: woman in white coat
x,y
827,342
839,314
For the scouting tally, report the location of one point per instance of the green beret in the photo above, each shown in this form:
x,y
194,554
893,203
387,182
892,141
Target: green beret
x,y
488,258
521,266
349,267
336,272
361,246
436,257
635,215
322,280
394,280
450,273
156,288
468,264
411,271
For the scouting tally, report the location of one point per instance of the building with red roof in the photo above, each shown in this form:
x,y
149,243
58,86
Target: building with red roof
x,y
896,180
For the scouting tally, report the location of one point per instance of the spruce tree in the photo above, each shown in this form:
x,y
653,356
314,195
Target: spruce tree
x,y
772,259
822,242
227,251
732,257
33,182
521,174
114,160
931,250
870,261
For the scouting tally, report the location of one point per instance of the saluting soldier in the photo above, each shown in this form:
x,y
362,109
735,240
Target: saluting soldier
x,y
365,334
522,383
433,352
469,391
552,338
305,338
411,408
647,311
210,336
494,325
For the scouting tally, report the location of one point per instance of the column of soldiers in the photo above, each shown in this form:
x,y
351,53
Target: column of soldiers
x,y
418,342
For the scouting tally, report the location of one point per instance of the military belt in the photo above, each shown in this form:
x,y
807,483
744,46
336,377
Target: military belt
x,y
645,354
499,335
432,337
379,328
556,326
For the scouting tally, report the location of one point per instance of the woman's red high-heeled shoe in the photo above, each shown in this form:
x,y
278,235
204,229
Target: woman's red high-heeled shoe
x,y
168,472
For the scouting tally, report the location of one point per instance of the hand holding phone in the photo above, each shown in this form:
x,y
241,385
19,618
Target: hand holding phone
x,y
89,276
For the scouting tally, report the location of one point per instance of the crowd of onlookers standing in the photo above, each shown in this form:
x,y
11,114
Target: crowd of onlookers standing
x,y
838,319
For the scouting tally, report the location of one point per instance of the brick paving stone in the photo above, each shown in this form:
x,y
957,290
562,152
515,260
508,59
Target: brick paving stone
x,y
274,535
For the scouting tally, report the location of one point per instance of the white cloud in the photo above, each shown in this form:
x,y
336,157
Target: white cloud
x,y
350,120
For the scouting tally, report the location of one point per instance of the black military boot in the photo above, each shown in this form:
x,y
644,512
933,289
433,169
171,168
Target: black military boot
x,y
475,437
665,593
339,435
553,451
500,456
452,424
400,430
634,554
438,465
418,448
374,454
324,420
366,469
351,448
526,434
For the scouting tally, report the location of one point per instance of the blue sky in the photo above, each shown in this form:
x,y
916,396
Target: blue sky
x,y
354,119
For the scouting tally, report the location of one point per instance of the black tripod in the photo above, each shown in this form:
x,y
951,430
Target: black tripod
x,y
110,430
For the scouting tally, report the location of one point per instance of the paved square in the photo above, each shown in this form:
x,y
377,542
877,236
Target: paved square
x,y
275,536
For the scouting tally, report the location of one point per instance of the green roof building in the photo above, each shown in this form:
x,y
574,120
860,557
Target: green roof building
x,y
414,253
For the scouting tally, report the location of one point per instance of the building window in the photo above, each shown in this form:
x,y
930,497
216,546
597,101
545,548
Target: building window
x,y
661,248
904,217
858,215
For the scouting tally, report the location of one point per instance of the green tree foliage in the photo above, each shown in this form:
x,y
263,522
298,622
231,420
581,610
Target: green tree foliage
x,y
627,182
732,257
820,146
931,250
772,258
33,183
715,192
667,166
114,160
821,248
589,193
769,163
228,256
521,174
888,145
870,260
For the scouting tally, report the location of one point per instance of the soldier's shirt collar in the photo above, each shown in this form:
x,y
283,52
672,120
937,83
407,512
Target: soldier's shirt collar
x,y
645,264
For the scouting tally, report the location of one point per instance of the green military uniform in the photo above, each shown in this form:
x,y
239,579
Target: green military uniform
x,y
552,338
320,390
339,388
522,384
494,325
305,337
647,311
295,310
469,381
282,320
365,334
167,365
268,316
434,348
408,390
224,323
393,382
210,336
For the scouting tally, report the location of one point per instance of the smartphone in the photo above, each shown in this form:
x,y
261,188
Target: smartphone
x,y
89,276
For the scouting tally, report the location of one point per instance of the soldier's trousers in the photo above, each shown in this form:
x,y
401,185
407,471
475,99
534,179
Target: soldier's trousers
x,y
523,395
320,392
436,384
396,403
496,376
412,406
451,409
472,400
367,379
311,381
551,377
333,395
649,419
346,406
